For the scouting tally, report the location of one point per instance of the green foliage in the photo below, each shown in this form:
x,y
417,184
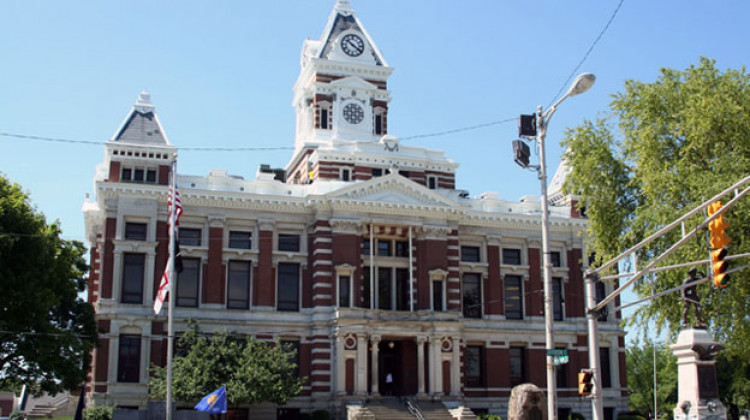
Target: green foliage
x,y
630,417
576,416
640,369
253,371
16,415
489,417
46,329
321,415
665,147
97,412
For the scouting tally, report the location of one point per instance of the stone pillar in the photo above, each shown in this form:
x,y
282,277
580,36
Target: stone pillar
x,y
420,366
340,366
436,367
456,368
360,387
374,341
698,391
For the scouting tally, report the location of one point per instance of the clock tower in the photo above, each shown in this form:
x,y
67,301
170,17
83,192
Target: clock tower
x,y
341,94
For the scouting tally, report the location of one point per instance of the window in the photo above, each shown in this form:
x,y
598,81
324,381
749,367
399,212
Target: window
x,y
432,182
376,172
324,116
438,292
378,124
132,278
557,300
135,231
562,374
471,290
470,254
238,285
513,294
129,359
365,246
402,249
385,288
288,242
606,372
138,174
384,248
366,287
346,174
402,289
511,256
517,362
190,237
554,258
292,347
240,239
474,359
345,292
288,287
187,283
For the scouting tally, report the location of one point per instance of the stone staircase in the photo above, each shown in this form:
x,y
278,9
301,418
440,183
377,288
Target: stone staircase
x,y
46,405
395,409
388,408
434,410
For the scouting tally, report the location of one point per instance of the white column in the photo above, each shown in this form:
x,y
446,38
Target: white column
x,y
436,361
361,375
420,366
374,341
456,368
340,366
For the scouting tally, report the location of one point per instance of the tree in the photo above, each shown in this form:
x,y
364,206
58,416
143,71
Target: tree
x,y
639,362
253,371
46,329
663,149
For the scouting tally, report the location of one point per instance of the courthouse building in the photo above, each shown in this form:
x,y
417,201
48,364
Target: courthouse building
x,y
361,252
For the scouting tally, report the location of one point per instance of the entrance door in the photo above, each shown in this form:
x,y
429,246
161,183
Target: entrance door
x,y
399,359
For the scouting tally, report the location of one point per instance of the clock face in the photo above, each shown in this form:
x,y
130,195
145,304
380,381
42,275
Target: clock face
x,y
353,113
352,45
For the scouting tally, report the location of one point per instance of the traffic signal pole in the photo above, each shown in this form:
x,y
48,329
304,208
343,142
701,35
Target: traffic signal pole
x,y
593,275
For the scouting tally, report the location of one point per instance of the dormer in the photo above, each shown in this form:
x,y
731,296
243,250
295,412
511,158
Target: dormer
x,y
139,151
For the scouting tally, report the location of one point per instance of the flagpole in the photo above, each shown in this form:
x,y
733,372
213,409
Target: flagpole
x,y
172,286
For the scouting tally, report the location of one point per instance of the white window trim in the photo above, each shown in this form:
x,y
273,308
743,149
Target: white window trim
x,y
435,178
345,270
343,170
441,276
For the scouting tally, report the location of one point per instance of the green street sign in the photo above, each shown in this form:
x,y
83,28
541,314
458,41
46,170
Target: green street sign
x,y
557,352
560,360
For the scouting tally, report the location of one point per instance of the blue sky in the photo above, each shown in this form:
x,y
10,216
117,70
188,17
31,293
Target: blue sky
x,y
220,74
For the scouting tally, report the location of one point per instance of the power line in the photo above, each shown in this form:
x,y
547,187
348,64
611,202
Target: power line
x,y
585,56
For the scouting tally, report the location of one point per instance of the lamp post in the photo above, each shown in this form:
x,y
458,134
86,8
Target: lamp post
x,y
581,84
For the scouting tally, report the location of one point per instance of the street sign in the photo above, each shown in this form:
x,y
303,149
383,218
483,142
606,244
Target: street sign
x,y
557,352
560,360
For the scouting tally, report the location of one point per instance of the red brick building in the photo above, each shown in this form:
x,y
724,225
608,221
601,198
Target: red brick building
x,y
361,252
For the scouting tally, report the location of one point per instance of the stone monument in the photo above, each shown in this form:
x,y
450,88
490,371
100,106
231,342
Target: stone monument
x,y
698,391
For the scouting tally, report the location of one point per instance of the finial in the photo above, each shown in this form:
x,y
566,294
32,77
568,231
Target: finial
x,y
143,103
343,6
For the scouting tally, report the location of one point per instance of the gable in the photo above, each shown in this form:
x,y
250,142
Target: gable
x,y
393,188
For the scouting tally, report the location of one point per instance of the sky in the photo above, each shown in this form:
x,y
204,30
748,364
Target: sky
x,y
220,74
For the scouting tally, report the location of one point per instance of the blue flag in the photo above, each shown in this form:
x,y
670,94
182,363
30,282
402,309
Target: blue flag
x,y
215,402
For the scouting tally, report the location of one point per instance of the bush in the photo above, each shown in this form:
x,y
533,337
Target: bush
x,y
97,412
630,416
16,415
489,417
321,415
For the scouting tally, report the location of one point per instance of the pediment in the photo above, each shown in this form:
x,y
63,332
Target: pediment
x,y
395,189
353,82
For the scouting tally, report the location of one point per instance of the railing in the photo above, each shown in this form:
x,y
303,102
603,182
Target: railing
x,y
413,409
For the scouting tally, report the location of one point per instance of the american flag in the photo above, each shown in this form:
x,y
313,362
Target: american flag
x,y
161,294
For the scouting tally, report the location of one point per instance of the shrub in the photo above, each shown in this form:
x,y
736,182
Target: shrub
x,y
97,412
489,417
16,415
576,416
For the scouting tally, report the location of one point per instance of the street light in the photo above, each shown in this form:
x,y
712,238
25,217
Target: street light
x,y
581,84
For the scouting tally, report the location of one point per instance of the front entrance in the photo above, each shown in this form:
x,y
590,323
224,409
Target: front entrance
x,y
397,358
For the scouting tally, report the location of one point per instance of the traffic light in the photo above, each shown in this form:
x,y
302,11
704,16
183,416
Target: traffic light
x,y
718,241
585,376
